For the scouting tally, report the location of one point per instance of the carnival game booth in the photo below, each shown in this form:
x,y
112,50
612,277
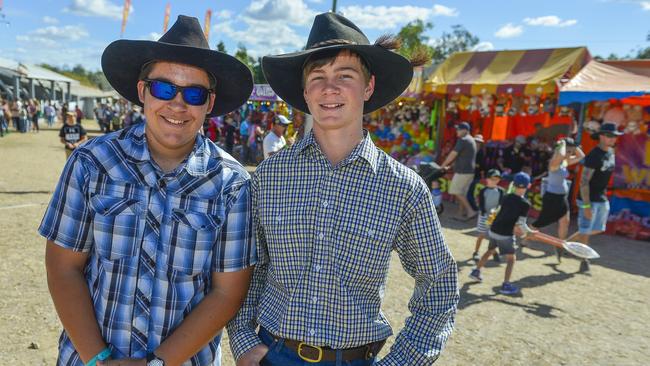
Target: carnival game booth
x,y
263,100
607,93
505,95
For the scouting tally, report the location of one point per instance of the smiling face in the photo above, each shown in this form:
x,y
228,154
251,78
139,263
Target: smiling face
x,y
172,125
336,92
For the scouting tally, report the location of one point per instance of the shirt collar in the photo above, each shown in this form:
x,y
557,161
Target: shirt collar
x,y
366,149
134,143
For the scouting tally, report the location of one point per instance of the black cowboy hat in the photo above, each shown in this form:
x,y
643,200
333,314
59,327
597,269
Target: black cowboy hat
x,y
608,128
184,43
331,31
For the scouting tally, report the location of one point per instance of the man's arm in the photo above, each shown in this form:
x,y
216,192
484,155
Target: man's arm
x,y
427,259
450,159
208,318
587,174
71,297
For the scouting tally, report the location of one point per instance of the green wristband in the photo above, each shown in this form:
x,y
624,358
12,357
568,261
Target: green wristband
x,y
104,355
586,205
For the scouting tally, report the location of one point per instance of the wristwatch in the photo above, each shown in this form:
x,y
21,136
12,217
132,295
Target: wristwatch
x,y
153,360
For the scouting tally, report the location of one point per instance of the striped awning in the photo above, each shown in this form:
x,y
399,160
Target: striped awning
x,y
497,72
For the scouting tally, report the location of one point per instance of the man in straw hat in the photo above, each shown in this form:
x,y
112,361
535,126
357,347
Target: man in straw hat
x,y
148,237
593,205
329,211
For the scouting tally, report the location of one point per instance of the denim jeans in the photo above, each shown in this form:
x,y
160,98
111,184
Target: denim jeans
x,y
279,355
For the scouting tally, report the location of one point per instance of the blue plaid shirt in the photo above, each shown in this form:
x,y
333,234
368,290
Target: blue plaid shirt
x,y
324,239
153,239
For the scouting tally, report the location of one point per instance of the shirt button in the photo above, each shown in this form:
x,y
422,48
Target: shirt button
x,y
312,332
325,204
321,236
371,232
317,267
314,299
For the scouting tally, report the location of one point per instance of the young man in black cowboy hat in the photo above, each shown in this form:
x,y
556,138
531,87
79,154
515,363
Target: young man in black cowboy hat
x,y
149,241
593,204
330,210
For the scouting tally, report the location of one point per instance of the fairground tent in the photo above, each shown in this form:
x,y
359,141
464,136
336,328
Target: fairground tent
x,y
598,81
524,72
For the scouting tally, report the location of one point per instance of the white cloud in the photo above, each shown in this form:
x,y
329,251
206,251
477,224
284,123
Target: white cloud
x,y
96,8
224,14
255,36
389,17
53,36
645,5
509,31
292,11
483,46
444,11
550,21
50,20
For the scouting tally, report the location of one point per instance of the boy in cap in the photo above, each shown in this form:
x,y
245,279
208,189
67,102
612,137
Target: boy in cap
x,y
149,241
330,210
72,134
511,219
489,198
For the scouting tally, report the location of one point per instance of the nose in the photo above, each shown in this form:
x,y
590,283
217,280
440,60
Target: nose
x,y
330,86
178,103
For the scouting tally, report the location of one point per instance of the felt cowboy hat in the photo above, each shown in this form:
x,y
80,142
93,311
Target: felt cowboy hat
x,y
331,31
184,43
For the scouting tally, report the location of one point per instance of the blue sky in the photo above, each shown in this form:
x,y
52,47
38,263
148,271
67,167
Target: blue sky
x,y
69,32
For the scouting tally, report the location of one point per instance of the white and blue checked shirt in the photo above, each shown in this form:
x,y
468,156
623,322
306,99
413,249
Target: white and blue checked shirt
x,y
324,239
153,239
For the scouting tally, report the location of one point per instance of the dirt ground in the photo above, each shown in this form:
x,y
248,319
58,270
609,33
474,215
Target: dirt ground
x,y
560,318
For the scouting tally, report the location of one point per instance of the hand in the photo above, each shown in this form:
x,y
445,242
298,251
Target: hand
x,y
253,356
124,362
587,212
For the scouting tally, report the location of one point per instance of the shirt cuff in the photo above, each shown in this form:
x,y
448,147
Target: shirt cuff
x,y
242,341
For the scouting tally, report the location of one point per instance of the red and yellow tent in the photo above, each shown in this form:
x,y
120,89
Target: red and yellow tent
x,y
523,72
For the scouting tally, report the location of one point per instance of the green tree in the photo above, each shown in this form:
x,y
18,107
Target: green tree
x,y
459,40
221,47
413,38
258,74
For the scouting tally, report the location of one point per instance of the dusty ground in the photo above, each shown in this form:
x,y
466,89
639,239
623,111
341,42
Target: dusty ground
x,y
560,318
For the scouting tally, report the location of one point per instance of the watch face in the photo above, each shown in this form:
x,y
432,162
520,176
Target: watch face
x,y
156,362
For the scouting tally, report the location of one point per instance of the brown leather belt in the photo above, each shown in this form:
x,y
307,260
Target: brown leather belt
x,y
315,354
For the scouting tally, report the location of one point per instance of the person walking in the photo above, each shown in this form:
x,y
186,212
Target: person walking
x,y
464,158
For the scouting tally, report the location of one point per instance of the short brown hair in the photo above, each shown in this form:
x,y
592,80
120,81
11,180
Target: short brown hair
x,y
320,59
147,67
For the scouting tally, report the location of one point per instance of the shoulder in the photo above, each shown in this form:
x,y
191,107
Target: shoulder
x,y
229,165
405,179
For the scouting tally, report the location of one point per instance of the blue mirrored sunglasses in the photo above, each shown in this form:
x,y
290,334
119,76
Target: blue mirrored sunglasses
x,y
164,90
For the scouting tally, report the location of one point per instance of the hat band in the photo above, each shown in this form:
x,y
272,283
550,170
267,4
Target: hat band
x,y
332,42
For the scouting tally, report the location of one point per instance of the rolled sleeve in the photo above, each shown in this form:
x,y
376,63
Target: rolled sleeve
x,y
68,219
425,257
242,328
234,249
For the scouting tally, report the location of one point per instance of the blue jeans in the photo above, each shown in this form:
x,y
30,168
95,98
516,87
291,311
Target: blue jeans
x,y
599,215
279,355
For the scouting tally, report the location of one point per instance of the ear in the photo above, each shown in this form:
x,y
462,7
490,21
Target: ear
x,y
370,88
141,87
211,99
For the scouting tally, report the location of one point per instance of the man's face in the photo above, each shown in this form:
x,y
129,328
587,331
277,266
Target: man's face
x,y
460,132
279,129
608,140
336,92
173,124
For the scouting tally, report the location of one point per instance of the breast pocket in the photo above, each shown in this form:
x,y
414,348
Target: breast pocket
x,y
117,226
363,252
191,241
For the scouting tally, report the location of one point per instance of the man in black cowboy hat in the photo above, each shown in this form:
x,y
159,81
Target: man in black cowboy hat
x,y
593,204
148,237
329,211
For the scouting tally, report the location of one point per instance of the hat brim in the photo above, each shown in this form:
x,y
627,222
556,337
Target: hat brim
x,y
392,71
613,133
122,62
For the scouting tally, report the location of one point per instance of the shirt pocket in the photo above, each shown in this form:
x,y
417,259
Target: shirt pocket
x,y
191,242
362,251
117,226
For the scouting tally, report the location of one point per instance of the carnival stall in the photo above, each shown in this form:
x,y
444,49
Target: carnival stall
x,y
508,97
608,93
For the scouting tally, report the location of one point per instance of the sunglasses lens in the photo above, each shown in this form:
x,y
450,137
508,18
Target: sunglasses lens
x,y
162,90
195,95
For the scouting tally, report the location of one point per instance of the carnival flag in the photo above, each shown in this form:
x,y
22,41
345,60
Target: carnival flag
x,y
206,29
168,10
125,15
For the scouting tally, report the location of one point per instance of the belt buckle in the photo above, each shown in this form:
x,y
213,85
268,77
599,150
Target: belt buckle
x,y
310,360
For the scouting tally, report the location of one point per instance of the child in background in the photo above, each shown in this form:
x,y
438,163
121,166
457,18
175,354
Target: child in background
x,y
489,198
72,134
511,219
